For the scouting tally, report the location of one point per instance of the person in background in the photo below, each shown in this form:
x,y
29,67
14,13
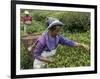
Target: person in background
x,y
47,43
26,20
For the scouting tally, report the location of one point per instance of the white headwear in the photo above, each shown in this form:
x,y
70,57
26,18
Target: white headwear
x,y
53,22
26,12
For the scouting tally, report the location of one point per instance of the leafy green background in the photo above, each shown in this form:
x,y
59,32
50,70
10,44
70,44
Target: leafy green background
x,y
76,27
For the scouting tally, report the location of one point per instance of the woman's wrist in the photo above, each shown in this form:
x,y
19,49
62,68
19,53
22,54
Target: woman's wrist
x,y
78,44
82,45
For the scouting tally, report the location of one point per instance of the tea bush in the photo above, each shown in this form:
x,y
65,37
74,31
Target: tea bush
x,y
76,27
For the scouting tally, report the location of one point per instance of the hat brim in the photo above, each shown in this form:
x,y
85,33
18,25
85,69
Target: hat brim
x,y
55,24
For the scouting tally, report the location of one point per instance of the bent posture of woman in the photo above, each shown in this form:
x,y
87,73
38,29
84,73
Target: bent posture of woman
x,y
47,43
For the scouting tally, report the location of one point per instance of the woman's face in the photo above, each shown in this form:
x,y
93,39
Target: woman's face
x,y
56,31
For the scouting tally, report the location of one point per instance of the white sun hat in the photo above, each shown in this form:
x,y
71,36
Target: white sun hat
x,y
53,22
26,12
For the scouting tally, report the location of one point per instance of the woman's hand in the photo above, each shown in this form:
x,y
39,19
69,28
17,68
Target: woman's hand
x,y
86,47
83,46
29,48
51,61
45,59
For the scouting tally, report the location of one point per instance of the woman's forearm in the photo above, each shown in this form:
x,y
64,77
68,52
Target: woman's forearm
x,y
44,59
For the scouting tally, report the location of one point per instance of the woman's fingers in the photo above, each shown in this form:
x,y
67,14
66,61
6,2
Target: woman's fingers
x,y
29,48
86,47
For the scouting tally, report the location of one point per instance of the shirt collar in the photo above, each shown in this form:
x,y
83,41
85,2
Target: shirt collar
x,y
47,43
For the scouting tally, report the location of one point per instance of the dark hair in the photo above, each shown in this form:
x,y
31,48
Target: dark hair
x,y
53,28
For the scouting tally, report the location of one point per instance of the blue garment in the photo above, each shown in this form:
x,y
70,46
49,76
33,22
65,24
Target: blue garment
x,y
46,43
52,42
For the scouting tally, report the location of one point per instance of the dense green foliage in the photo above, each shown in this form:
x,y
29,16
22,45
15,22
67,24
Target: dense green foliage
x,y
76,27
